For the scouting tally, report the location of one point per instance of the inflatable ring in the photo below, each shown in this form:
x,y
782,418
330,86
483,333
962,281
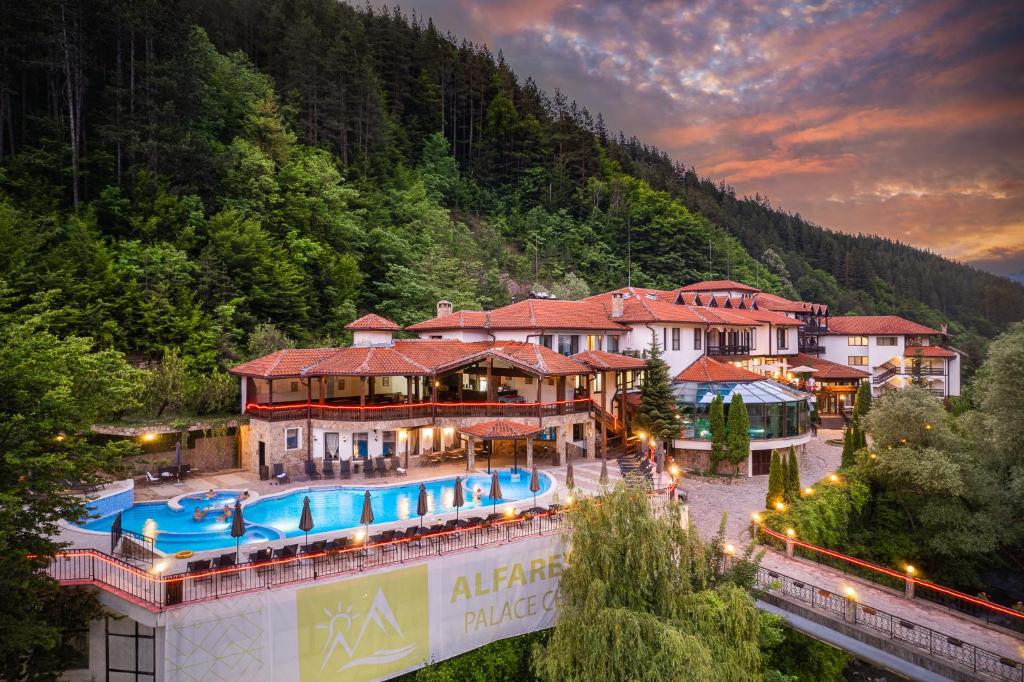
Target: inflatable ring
x,y
184,554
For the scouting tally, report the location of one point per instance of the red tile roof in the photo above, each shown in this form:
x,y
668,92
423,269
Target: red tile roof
x,y
782,305
501,429
718,285
876,324
409,357
533,313
602,361
372,322
827,370
704,369
651,305
928,352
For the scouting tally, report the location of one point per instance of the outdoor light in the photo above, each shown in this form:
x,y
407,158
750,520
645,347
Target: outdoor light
x,y
510,512
780,505
928,427
159,567
729,550
790,533
643,436
360,535
403,434
674,470
873,456
833,478
808,491
911,570
148,437
569,499
850,593
755,517
59,437
903,440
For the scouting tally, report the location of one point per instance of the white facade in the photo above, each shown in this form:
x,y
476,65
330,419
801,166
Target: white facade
x,y
878,353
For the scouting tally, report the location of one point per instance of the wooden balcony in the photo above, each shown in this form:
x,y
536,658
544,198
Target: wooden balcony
x,y
422,411
729,349
811,346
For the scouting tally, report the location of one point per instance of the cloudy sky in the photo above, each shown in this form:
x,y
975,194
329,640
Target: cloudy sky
x,y
904,119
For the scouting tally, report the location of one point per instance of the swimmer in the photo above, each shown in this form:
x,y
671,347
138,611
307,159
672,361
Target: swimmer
x,y
226,514
244,495
199,514
477,493
210,494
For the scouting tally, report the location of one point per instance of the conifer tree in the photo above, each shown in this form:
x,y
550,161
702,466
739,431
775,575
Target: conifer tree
x,y
738,436
848,447
716,420
658,407
792,476
776,482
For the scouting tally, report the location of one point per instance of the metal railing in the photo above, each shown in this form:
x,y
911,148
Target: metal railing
x,y
989,612
893,627
813,347
158,592
729,349
132,545
422,410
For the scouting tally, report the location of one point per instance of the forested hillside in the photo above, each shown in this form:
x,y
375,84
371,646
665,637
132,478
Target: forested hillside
x,y
176,175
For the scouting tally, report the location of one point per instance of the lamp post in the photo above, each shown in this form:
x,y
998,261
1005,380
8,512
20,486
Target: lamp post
x,y
850,612
728,554
790,537
403,437
908,589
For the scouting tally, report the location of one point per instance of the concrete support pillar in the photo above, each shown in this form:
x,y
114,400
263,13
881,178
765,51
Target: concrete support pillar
x,y
529,453
850,614
560,441
908,589
789,547
590,433
471,454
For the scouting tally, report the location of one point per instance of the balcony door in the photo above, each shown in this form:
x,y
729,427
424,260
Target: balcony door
x,y
332,446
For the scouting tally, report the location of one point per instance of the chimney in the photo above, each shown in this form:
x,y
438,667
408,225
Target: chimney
x,y
616,304
944,328
444,308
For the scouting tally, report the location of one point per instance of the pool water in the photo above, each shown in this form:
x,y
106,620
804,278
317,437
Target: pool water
x,y
333,508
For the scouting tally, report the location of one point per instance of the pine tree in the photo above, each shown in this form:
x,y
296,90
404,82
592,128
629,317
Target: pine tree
x,y
738,436
792,476
716,419
848,447
862,403
658,407
776,482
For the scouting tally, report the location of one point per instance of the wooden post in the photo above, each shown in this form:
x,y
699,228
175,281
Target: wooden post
x,y
323,391
270,397
622,403
471,454
309,421
560,397
362,398
540,388
490,386
529,452
372,382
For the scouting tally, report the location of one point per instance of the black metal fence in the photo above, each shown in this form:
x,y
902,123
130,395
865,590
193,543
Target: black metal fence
x,y
133,546
893,627
162,591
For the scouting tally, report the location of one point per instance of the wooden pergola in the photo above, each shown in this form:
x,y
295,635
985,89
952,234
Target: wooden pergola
x,y
501,429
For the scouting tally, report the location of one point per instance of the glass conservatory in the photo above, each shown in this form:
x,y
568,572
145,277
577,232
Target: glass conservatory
x,y
775,410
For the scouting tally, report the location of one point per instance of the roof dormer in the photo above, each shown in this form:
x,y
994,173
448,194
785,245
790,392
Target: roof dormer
x,y
372,330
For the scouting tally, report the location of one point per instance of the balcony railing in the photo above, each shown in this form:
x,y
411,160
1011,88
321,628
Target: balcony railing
x,y
428,410
812,347
729,349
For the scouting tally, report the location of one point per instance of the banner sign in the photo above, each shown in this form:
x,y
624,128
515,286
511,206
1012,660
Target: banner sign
x,y
370,626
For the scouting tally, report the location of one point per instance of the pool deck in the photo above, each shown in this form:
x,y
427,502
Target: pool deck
x,y
238,479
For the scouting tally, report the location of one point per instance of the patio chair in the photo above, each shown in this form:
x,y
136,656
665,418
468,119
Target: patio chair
x,y
318,547
368,469
225,561
311,471
280,475
286,552
328,469
199,571
496,516
153,480
380,467
345,469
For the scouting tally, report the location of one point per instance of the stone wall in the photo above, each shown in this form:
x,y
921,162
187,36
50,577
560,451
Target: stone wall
x,y
208,453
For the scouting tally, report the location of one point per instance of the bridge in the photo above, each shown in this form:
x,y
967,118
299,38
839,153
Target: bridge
x,y
963,638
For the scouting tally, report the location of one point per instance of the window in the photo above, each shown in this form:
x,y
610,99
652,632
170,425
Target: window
x,y
568,344
857,341
388,438
292,438
857,360
578,432
385,381
360,443
753,339
782,338
528,380
341,384
613,344
545,340
675,338
697,339
295,387
886,341
593,343
664,338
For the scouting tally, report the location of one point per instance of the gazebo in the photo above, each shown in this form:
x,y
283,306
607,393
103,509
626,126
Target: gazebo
x,y
501,429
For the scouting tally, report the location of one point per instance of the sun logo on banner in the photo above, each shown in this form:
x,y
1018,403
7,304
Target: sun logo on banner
x,y
377,625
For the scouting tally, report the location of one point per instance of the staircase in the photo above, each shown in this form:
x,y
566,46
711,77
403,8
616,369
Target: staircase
x,y
614,426
636,472
889,371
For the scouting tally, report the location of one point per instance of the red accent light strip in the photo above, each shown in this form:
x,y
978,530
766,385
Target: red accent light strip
x,y
302,406
895,574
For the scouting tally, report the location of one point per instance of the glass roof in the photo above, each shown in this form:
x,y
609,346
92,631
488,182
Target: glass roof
x,y
766,391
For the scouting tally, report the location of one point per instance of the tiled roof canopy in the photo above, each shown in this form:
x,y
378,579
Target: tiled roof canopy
x,y
501,429
704,369
827,370
372,322
928,352
533,313
718,285
601,361
408,357
876,324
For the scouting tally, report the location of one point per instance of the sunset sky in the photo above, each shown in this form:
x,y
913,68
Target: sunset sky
x,y
903,119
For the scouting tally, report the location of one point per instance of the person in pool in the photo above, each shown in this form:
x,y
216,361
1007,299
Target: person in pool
x,y
226,514
244,495
210,494
478,492
199,514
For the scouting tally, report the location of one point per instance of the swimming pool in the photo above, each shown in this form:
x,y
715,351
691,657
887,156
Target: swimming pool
x,y
333,507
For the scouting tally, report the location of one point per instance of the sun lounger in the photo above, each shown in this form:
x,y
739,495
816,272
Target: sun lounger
x,y
286,552
153,480
328,469
368,468
311,471
280,475
380,467
345,469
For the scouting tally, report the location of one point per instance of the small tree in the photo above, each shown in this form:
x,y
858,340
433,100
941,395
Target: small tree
x,y
738,445
848,447
862,403
792,476
716,419
917,369
658,408
776,482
